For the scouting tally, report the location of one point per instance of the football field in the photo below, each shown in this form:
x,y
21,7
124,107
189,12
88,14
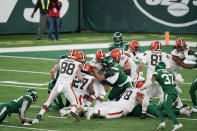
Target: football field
x,y
21,70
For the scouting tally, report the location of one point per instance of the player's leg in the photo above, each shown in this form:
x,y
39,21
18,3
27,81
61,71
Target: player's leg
x,y
168,108
114,93
70,94
101,94
192,92
3,112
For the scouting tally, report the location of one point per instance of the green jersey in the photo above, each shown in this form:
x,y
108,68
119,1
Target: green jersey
x,y
15,105
122,78
123,46
166,80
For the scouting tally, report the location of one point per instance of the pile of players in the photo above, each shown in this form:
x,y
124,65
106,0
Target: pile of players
x,y
130,93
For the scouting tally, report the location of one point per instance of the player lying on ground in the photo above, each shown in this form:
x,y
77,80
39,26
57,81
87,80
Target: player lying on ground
x,y
19,106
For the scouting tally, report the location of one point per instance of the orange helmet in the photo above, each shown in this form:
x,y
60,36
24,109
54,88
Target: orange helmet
x,y
116,54
100,54
155,46
180,42
88,68
133,46
73,53
139,84
81,56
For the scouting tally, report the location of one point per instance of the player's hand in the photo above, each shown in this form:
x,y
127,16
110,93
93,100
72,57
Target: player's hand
x,y
26,122
32,15
108,74
35,121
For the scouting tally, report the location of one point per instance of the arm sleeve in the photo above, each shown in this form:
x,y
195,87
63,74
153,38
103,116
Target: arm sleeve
x,y
37,6
23,109
113,78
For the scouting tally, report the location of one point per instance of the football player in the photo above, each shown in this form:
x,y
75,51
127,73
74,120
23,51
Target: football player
x,y
133,50
152,57
180,52
19,106
99,88
58,101
69,67
118,43
115,109
127,64
114,74
166,80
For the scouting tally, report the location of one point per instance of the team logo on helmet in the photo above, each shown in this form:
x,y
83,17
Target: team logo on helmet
x,y
100,54
160,65
156,46
33,94
117,38
116,54
175,10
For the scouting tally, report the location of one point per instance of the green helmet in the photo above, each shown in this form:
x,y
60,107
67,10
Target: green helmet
x,y
117,38
108,62
32,93
160,65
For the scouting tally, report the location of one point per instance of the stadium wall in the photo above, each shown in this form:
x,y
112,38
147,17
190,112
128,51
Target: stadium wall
x,y
136,16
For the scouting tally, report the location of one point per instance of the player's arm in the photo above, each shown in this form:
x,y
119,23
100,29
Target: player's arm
x,y
79,75
191,52
139,97
127,65
53,70
181,63
23,111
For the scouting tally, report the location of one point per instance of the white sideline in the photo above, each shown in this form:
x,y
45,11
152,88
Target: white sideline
x,y
39,129
76,46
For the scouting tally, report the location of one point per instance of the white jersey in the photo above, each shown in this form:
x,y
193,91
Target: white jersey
x,y
181,54
151,58
68,69
95,64
82,87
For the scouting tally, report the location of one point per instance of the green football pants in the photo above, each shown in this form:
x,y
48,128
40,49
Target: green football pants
x,y
192,92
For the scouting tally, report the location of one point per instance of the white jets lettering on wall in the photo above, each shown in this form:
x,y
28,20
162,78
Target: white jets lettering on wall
x,y
7,6
175,8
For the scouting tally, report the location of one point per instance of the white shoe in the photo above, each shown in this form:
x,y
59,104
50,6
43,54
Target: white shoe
x,y
193,110
35,121
186,111
161,126
64,112
176,127
26,124
89,113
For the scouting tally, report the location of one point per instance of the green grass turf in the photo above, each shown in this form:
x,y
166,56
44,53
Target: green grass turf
x,y
21,40
8,93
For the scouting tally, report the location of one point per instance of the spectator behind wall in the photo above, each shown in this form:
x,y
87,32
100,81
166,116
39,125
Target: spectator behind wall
x,y
54,19
43,5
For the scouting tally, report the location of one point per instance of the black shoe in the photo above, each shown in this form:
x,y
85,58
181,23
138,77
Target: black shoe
x,y
184,105
38,38
39,117
81,113
73,116
143,116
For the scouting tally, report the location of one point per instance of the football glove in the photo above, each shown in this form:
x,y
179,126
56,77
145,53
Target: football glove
x,y
108,74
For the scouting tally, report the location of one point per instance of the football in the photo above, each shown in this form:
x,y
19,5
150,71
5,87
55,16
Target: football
x,y
178,9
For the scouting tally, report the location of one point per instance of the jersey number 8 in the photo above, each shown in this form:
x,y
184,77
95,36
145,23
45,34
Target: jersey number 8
x,y
67,68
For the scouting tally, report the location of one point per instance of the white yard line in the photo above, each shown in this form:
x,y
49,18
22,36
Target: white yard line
x,y
76,46
39,129
33,58
187,119
22,83
25,71
57,117
28,87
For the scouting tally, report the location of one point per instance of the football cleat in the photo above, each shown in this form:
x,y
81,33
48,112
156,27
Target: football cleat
x,y
89,113
176,127
39,117
186,111
73,116
161,126
143,116
194,109
35,121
